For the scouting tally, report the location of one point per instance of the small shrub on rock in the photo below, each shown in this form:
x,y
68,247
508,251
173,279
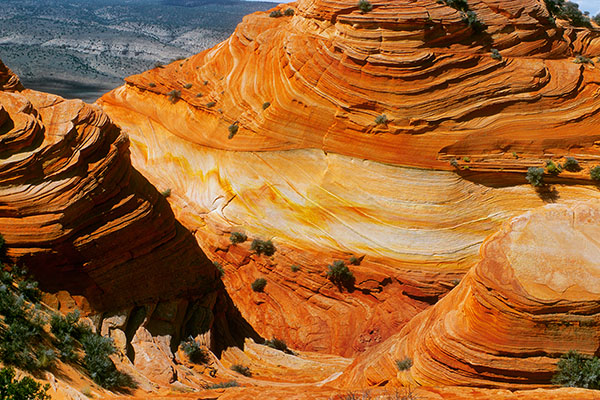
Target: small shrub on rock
x,y
364,6
266,105
187,86
219,267
571,165
535,176
353,260
553,168
223,385
339,273
241,369
259,284
238,237
381,119
263,247
211,104
295,268
496,55
276,14
289,12
174,96
595,173
100,366
233,129
404,365
195,352
278,344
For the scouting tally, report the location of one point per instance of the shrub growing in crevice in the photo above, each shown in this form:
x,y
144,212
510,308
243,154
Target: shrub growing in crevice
x,y
364,6
241,369
289,12
174,96
278,344
595,173
404,364
195,352
577,370
571,165
233,129
553,168
276,14
535,176
339,273
263,247
259,285
238,237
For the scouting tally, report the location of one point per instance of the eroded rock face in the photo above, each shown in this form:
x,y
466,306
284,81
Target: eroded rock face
x,y
308,166
534,296
75,212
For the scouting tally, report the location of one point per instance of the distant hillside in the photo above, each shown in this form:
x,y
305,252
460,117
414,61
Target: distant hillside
x,y
81,49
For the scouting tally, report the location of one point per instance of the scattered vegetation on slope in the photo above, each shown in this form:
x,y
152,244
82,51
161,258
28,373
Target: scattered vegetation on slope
x,y
263,247
24,389
195,352
535,176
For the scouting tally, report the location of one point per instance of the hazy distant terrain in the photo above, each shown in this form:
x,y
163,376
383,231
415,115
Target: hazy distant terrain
x,y
82,48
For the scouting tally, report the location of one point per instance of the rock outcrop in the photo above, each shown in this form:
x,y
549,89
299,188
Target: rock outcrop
x,y
534,296
75,212
273,133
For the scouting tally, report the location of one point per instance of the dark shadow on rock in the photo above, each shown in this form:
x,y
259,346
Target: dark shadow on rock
x,y
547,193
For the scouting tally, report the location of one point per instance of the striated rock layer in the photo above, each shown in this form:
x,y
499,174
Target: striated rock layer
x,y
273,133
534,296
75,212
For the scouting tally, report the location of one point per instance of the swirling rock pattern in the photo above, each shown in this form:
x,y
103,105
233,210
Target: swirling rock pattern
x,y
534,296
308,167
75,212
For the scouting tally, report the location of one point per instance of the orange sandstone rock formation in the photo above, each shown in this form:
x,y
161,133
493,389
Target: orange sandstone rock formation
x,y
75,212
273,133
534,296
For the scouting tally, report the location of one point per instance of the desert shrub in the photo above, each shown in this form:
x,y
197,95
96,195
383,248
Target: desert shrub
x,y
152,84
275,14
460,5
466,159
353,260
29,290
515,155
404,364
364,6
571,164
470,18
595,173
266,105
166,193
535,176
454,163
19,345
553,168
25,389
496,55
295,268
219,267
381,119
289,12
233,129
195,352
199,95
68,330
238,237
278,344
579,59
187,86
174,96
596,19
263,247
259,284
577,370
211,104
223,385
241,369
339,273
569,11
98,364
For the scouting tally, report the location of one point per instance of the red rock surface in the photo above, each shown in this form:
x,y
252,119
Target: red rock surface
x,y
534,296
315,173
74,210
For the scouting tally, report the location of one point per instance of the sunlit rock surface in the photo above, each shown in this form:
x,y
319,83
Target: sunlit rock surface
x,y
534,296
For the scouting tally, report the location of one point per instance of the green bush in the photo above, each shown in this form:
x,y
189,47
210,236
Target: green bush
x,y
460,5
289,12
20,345
552,168
404,364
496,55
571,165
381,119
275,14
339,273
576,370
569,11
241,369
210,104
195,352
219,267
222,385
187,86
353,260
266,105
233,129
263,247
364,6
259,284
278,344
597,19
174,96
579,59
595,173
68,330
295,268
151,84
238,237
98,364
535,176
25,389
